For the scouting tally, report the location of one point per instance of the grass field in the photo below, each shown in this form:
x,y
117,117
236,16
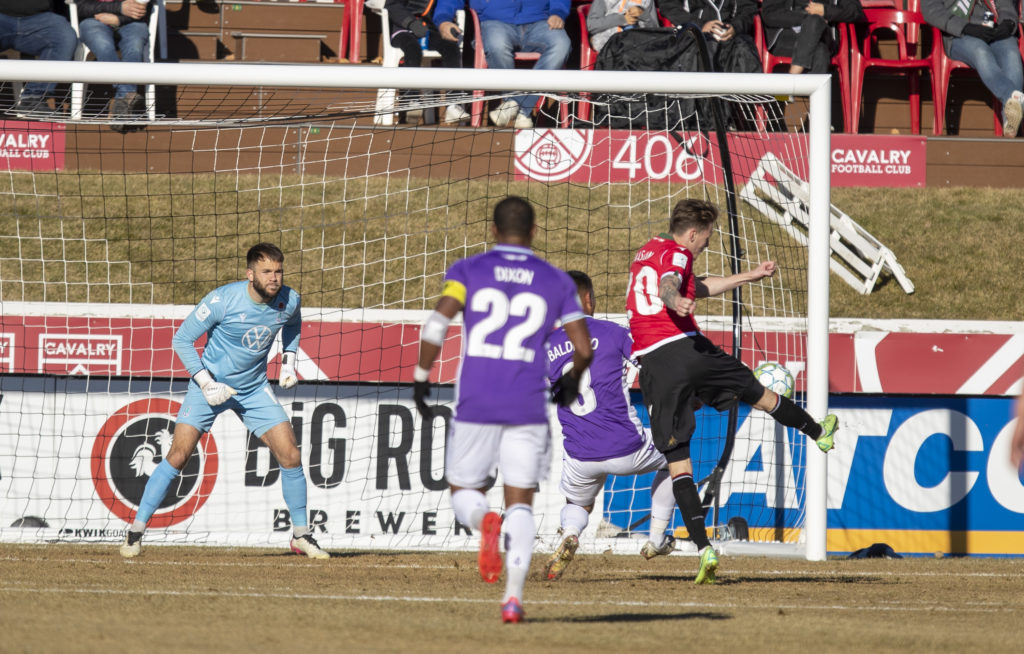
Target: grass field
x,y
66,598
168,239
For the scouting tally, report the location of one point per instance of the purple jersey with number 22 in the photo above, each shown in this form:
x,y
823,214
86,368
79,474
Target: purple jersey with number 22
x,y
512,300
602,424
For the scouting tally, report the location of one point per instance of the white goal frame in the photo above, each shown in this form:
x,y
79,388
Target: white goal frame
x,y
815,87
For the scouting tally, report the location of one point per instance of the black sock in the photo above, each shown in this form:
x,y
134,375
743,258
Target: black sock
x,y
790,415
688,501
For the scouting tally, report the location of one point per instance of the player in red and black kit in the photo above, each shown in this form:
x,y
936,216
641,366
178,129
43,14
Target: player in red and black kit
x,y
679,364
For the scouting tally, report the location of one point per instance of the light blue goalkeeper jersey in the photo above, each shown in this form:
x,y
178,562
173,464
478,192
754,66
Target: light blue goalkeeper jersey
x,y
239,332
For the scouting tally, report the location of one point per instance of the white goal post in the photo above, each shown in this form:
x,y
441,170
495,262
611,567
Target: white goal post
x,y
555,84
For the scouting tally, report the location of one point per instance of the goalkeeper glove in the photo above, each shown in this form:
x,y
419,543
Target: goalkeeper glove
x,y
215,392
565,390
288,378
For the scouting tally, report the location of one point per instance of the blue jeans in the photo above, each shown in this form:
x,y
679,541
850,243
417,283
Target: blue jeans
x,y
998,63
104,41
46,35
503,40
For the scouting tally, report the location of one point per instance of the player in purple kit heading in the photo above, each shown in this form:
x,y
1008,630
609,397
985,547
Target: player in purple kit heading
x,y
511,300
603,434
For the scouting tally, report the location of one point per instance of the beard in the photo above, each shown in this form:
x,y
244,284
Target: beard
x,y
262,291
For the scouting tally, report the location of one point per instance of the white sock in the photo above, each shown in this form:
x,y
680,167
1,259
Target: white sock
x,y
574,520
519,536
299,532
470,507
663,503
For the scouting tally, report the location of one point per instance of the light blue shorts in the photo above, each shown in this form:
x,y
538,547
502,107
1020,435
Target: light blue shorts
x,y
258,409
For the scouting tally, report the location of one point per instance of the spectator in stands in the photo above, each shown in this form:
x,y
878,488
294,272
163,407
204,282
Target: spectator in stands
x,y
508,27
609,17
411,21
728,29
981,34
806,31
107,26
32,27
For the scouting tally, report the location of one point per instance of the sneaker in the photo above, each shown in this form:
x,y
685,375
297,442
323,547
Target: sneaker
x,y
562,557
522,121
125,108
132,545
307,545
505,114
708,566
31,106
829,427
512,611
649,551
454,114
1013,111
489,559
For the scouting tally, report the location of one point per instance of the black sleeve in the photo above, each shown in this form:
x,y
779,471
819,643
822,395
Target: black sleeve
x,y
89,8
675,11
844,11
779,13
743,20
400,13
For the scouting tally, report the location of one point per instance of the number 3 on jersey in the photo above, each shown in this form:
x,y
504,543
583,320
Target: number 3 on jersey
x,y
587,400
499,308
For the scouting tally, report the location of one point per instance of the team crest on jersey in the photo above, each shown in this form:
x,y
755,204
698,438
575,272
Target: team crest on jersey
x,y
257,338
550,155
128,448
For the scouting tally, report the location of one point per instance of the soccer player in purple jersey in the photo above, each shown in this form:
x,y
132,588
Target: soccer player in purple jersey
x,y
603,434
511,300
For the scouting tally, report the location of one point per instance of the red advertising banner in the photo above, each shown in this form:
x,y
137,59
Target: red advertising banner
x,y
626,156
868,361
33,146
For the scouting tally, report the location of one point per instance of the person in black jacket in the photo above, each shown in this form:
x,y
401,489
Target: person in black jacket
x,y
728,27
32,27
806,31
413,20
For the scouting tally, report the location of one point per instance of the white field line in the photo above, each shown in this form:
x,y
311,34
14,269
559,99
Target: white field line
x,y
702,605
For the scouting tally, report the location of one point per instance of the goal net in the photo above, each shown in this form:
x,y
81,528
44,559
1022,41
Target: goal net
x,y
108,239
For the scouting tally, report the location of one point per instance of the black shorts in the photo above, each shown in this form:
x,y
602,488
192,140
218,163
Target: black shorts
x,y
677,373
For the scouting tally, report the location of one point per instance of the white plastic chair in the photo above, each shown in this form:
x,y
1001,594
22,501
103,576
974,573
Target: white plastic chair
x,y
391,57
157,26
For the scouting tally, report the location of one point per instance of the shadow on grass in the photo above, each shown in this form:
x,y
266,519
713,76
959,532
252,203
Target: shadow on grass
x,y
634,617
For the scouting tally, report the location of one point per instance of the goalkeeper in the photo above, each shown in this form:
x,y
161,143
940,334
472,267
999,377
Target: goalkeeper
x,y
603,435
240,321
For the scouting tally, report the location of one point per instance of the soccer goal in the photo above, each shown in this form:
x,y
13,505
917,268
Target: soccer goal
x,y
109,238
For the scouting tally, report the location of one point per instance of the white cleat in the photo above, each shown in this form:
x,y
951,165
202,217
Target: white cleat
x,y
132,545
307,545
649,551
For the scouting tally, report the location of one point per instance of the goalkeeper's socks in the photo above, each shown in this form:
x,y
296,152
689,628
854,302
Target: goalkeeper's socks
x,y
789,414
690,507
574,519
293,487
156,490
470,507
520,533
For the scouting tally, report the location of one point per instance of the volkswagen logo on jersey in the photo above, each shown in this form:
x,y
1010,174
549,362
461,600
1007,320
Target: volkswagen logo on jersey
x,y
257,338
128,448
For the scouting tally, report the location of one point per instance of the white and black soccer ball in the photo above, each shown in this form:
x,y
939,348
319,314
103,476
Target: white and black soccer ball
x,y
775,376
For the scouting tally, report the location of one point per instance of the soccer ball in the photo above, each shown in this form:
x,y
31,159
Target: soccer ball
x,y
774,376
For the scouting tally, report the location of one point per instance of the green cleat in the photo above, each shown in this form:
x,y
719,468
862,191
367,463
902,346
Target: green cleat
x,y
829,427
708,566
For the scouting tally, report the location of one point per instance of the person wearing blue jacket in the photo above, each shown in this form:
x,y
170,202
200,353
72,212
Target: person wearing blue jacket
x,y
510,27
